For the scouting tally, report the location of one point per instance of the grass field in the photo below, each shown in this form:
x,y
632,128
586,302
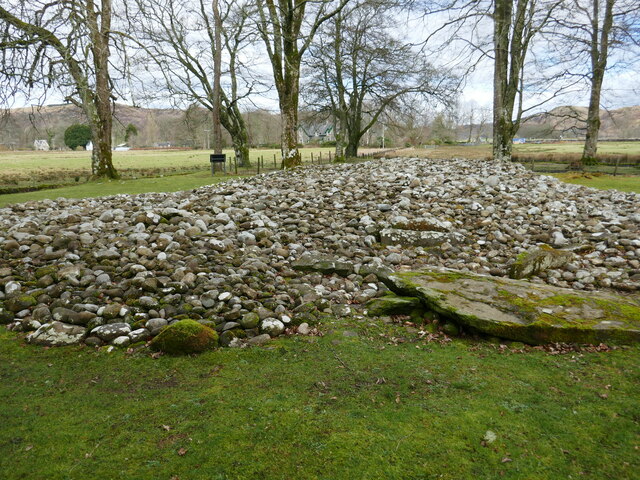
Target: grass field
x,y
173,183
166,171
603,182
383,404
56,167
484,151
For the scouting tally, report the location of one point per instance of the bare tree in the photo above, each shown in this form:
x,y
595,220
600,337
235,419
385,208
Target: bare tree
x,y
360,67
181,44
515,24
590,32
514,28
287,28
64,44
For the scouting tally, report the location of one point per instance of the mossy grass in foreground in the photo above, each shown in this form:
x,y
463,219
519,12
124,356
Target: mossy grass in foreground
x,y
367,400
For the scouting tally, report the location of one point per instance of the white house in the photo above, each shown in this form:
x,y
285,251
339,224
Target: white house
x,y
41,145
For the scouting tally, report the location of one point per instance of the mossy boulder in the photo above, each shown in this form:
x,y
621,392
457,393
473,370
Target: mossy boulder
x,y
538,260
5,316
49,270
20,302
392,305
185,337
523,311
228,336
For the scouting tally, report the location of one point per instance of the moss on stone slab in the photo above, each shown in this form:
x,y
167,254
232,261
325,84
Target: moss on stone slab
x,y
392,305
522,311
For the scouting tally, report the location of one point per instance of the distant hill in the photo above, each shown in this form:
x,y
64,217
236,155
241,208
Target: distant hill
x,y
570,122
21,126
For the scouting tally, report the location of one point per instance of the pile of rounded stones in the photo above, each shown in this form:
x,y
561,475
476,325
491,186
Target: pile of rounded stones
x,y
254,257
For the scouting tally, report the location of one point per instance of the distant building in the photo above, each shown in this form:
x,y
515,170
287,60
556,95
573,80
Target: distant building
x,y
519,140
41,145
315,133
123,147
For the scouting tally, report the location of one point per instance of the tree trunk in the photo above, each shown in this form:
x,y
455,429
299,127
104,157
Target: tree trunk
x,y
593,125
291,156
340,126
217,73
101,118
502,135
353,139
599,56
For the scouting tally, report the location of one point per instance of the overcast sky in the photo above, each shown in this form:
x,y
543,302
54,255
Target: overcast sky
x,y
621,86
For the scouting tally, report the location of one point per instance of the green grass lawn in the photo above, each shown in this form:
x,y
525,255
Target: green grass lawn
x,y
383,404
171,183
604,182
604,148
133,159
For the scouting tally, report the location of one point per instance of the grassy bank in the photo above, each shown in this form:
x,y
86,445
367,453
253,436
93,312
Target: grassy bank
x,y
171,183
537,149
604,182
376,403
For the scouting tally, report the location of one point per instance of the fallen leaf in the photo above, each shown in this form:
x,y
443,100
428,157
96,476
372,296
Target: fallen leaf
x,y
604,396
28,447
166,427
506,459
182,452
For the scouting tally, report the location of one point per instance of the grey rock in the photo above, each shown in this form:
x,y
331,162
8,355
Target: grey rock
x,y
272,326
139,335
106,255
122,341
538,260
259,340
56,334
313,262
304,329
110,331
155,325
66,315
413,238
251,320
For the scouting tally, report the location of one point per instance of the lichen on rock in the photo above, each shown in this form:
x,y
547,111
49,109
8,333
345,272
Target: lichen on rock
x,y
523,311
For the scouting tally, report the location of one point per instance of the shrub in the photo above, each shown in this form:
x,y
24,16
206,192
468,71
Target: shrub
x,y
184,337
77,136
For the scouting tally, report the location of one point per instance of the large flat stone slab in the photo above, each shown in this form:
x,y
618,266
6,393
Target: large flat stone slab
x,y
524,311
